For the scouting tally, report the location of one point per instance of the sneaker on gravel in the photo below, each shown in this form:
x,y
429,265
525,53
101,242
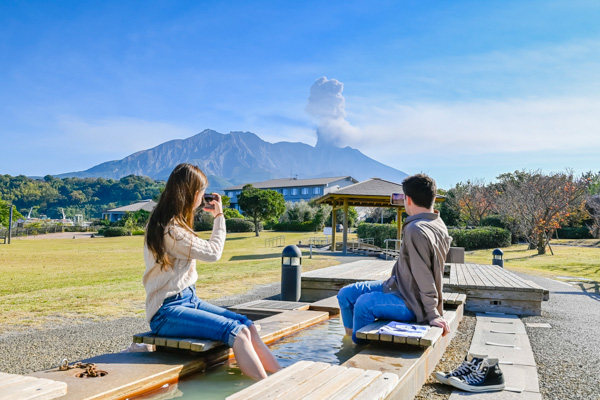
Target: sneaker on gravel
x,y
487,377
470,363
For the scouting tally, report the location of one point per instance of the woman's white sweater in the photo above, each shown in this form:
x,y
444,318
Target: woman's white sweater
x,y
184,248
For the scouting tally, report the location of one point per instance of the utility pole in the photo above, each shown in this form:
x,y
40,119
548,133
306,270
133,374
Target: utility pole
x,y
10,213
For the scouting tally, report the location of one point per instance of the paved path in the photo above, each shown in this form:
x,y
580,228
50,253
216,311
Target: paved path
x,y
568,353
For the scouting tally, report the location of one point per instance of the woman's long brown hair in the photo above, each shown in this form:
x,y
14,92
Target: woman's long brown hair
x,y
176,204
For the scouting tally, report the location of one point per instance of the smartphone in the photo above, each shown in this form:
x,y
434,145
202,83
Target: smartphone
x,y
207,199
397,199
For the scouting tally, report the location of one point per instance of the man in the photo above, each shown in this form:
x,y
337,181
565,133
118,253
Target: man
x,y
414,291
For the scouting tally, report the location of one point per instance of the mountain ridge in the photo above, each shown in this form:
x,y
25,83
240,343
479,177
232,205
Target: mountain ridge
x,y
243,157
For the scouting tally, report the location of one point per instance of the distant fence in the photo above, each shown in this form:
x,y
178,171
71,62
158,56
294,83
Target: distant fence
x,y
275,241
34,231
319,241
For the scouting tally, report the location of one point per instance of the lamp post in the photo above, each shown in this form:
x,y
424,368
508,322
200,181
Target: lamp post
x,y
291,269
498,258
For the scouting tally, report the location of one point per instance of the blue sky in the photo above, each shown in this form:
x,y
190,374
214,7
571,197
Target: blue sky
x,y
460,90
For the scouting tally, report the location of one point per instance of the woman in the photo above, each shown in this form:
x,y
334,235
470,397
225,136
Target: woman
x,y
170,252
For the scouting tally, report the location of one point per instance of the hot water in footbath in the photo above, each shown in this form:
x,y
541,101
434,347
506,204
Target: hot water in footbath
x,y
323,342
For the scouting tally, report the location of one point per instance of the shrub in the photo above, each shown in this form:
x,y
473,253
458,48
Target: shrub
x,y
295,226
379,232
138,232
493,220
239,225
580,232
232,213
480,238
115,231
203,221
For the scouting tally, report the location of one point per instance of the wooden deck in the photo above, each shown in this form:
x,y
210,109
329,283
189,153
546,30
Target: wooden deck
x,y
488,287
317,380
19,387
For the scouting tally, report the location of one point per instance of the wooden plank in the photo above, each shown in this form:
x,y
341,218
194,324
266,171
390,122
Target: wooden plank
x,y
254,391
314,383
329,304
18,387
520,307
476,278
371,331
469,277
431,336
461,298
332,386
380,388
485,278
453,275
293,381
356,386
507,277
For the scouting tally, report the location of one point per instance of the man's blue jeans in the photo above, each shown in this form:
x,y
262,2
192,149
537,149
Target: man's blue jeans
x,y
363,302
184,315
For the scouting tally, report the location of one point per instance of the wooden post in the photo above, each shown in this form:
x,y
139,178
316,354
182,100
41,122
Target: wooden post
x,y
333,224
10,215
345,245
399,224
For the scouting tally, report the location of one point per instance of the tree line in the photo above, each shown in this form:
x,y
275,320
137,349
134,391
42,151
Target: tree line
x,y
531,204
86,196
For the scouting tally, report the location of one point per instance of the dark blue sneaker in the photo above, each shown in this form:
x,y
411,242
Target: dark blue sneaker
x,y
487,377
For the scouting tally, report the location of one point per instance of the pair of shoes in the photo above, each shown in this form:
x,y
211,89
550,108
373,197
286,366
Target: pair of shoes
x,y
477,373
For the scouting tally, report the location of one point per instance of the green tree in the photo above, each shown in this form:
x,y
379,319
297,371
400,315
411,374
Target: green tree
x,y
261,204
5,213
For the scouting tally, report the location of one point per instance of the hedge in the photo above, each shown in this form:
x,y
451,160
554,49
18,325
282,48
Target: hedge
x,y
115,231
480,238
580,232
203,225
379,232
295,226
493,220
239,225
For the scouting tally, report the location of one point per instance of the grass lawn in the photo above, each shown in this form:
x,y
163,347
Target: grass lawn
x,y
581,262
46,281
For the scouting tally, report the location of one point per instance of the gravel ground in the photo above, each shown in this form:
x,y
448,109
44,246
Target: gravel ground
x,y
452,358
568,353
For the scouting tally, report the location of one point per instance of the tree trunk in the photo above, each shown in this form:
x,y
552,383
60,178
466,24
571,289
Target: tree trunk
x,y
541,246
256,226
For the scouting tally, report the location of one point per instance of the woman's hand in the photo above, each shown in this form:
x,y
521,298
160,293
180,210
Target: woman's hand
x,y
217,205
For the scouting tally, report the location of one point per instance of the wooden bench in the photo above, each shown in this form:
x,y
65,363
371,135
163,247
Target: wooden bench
x,y
317,380
371,332
265,308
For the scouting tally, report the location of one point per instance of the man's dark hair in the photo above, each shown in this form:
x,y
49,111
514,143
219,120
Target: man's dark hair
x,y
421,189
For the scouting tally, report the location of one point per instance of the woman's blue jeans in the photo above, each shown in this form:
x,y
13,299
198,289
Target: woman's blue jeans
x,y
363,302
184,315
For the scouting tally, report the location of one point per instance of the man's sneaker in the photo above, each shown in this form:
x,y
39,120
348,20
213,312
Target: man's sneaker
x,y
487,377
470,364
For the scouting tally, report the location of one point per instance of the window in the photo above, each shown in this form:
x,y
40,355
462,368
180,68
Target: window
x,y
294,191
316,190
286,192
304,190
238,192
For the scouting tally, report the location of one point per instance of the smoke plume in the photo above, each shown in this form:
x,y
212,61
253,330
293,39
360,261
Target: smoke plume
x,y
326,106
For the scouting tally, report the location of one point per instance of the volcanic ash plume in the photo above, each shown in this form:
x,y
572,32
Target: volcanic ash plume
x,y
327,106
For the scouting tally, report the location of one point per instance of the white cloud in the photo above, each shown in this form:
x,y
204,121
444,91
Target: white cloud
x,y
511,126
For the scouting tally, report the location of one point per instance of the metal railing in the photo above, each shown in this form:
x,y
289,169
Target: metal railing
x,y
356,243
386,241
319,241
275,241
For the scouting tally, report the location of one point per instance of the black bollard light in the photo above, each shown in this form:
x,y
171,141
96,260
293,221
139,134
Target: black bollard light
x,y
291,269
498,258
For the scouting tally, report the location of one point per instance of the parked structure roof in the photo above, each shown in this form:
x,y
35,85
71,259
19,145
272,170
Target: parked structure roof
x,y
147,205
291,182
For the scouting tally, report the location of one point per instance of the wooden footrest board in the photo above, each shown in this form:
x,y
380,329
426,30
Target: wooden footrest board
x,y
371,332
195,345
19,387
317,380
330,305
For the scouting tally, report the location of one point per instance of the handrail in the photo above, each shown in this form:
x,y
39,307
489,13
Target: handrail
x,y
275,241
386,241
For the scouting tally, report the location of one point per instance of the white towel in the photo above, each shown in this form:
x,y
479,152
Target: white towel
x,y
406,330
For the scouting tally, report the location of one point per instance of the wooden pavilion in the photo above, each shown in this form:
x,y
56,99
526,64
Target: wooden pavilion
x,y
374,192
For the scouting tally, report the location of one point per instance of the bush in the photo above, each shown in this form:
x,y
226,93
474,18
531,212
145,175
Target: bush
x,y
379,232
580,232
232,213
115,231
138,232
239,225
295,226
480,238
493,220
203,222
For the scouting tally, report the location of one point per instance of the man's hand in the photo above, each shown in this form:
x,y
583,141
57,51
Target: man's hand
x,y
442,323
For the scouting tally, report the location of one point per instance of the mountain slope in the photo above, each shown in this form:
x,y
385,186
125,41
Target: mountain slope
x,y
241,157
